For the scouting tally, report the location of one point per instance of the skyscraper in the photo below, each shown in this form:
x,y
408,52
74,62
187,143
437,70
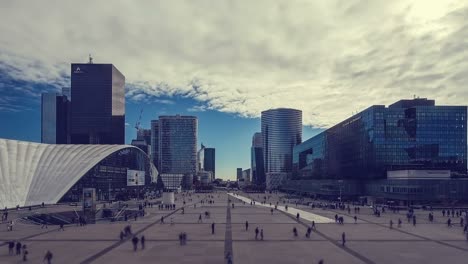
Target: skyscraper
x,y
209,161
155,142
239,173
178,144
98,106
281,131
256,160
54,118
201,158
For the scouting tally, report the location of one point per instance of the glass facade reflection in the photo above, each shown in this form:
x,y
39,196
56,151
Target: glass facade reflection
x,y
98,106
54,118
209,161
256,160
410,134
281,131
178,144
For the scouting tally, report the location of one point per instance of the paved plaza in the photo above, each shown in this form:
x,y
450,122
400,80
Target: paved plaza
x,y
369,240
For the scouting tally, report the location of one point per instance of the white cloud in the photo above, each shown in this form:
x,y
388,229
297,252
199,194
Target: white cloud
x,y
328,58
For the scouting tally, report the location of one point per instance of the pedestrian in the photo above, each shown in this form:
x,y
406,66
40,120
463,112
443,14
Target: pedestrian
x,y
135,243
18,248
414,220
162,219
295,231
256,233
309,230
246,225
261,234
391,224
25,253
11,246
212,228
142,240
399,222
199,219
271,210
355,219
297,217
313,225
48,256
61,227
449,222
343,239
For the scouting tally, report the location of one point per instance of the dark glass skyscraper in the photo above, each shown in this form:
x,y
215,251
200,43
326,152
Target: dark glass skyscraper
x,y
54,118
281,131
209,161
178,144
98,105
155,143
256,160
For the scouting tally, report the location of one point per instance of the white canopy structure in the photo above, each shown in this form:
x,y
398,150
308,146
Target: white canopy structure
x,y
32,173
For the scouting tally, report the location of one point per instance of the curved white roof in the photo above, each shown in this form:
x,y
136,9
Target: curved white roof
x,y
32,173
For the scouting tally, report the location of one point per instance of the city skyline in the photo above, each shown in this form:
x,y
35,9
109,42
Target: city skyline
x,y
226,70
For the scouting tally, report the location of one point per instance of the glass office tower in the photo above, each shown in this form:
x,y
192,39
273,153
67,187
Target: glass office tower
x,y
178,144
54,118
98,106
281,131
209,161
155,142
256,160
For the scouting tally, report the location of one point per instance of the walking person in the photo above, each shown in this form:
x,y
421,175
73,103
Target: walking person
x,y
295,231
355,219
11,246
142,240
399,222
18,248
48,256
199,219
61,227
212,228
343,239
261,234
25,253
135,243
246,225
256,233
297,217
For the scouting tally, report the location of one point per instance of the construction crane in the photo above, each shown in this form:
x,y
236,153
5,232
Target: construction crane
x,y
137,124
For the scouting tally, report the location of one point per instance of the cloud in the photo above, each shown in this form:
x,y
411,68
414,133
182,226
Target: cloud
x,y
328,58
197,108
127,124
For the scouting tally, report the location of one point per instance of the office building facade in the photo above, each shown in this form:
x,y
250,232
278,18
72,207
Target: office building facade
x,y
98,105
155,142
178,144
209,161
256,160
363,150
281,131
54,118
239,173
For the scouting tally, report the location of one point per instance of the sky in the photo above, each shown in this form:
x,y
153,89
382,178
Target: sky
x,y
226,61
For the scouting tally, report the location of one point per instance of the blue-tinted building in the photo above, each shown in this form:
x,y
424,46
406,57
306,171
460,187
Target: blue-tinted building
x,y
98,105
209,160
409,135
54,118
256,160
281,131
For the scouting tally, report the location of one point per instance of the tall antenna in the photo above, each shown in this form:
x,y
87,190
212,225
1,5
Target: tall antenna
x,y
90,59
